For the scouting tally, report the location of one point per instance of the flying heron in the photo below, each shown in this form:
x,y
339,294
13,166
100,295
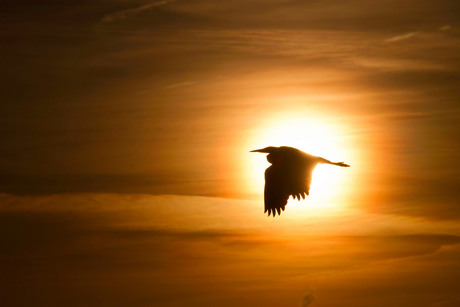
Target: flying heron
x,y
289,175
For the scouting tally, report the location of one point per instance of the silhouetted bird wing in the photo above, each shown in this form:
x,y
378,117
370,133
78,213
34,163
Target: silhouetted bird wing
x,y
291,179
275,192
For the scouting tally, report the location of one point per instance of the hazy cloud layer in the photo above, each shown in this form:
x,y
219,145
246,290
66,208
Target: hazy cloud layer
x,y
169,250
75,121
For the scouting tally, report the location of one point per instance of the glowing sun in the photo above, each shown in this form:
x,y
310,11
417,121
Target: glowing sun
x,y
320,138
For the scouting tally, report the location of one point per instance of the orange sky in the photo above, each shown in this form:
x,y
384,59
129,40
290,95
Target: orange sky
x,y
126,128
112,249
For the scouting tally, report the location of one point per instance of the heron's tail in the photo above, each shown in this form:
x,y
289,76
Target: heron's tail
x,y
342,164
326,161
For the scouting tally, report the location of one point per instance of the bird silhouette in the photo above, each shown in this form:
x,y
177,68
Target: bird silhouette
x,y
289,175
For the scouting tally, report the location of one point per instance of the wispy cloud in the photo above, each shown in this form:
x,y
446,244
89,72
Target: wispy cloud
x,y
401,37
187,83
169,87
208,246
445,28
132,11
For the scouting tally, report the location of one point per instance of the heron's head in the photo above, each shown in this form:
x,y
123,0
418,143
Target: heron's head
x,y
271,150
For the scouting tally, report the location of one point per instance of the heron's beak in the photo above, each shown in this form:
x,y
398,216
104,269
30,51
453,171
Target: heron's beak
x,y
260,150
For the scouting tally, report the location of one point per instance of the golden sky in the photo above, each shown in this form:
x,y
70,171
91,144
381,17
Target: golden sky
x,y
125,168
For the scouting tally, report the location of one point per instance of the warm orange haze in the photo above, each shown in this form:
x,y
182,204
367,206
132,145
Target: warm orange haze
x,y
126,177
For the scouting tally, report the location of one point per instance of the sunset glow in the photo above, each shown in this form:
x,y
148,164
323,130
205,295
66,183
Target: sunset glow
x,y
126,177
324,138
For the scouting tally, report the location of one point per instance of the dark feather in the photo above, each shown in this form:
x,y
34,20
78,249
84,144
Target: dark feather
x,y
275,192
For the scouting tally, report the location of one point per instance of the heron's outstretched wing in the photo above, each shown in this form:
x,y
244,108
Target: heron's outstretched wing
x,y
275,193
298,178
284,179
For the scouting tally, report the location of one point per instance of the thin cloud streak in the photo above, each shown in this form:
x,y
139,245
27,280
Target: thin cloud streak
x,y
129,12
445,28
401,37
169,87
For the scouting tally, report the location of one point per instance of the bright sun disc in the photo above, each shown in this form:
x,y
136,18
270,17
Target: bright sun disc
x,y
324,139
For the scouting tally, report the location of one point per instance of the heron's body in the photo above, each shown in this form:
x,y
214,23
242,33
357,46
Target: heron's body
x,y
289,175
